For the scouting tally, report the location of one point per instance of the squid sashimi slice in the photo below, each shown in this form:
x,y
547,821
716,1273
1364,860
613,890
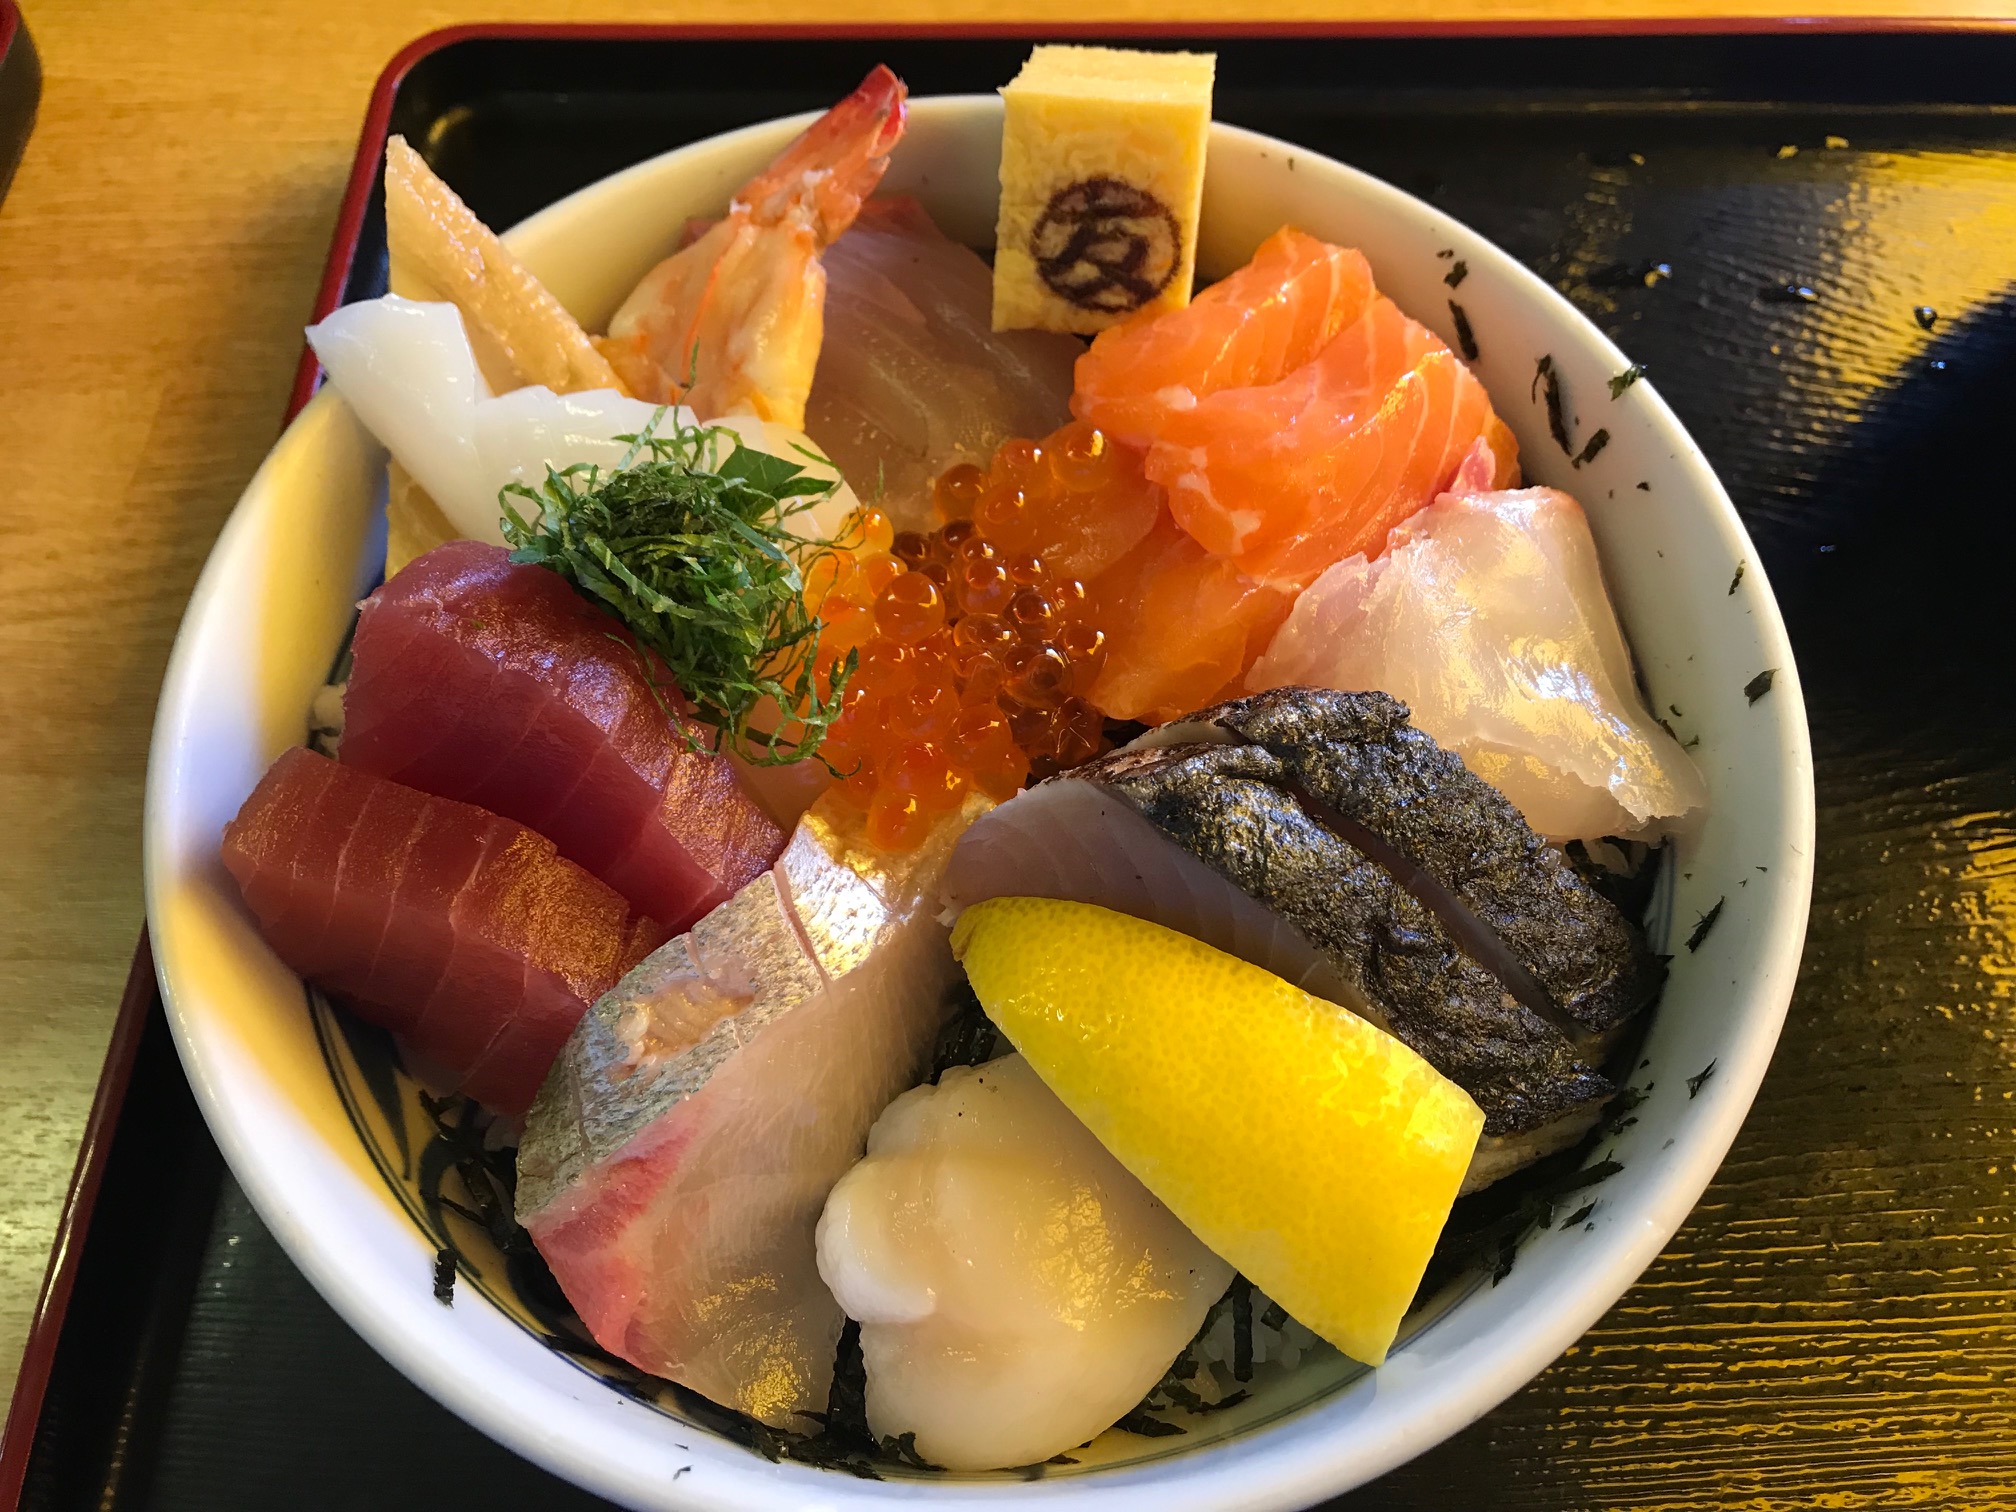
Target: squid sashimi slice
x,y
1252,327
1182,625
464,933
675,1163
408,371
495,683
912,378
1488,617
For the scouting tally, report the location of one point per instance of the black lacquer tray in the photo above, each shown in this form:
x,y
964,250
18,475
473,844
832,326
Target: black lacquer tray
x,y
1809,236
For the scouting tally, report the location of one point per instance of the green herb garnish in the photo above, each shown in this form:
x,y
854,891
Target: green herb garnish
x,y
688,540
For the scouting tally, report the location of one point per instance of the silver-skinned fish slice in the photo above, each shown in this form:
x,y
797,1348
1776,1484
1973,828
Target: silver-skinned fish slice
x,y
1245,846
676,1160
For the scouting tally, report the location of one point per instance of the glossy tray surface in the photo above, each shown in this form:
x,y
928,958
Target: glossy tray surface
x,y
1808,241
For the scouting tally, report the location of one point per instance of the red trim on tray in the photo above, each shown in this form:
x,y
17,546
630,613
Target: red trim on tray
x,y
10,22
32,1383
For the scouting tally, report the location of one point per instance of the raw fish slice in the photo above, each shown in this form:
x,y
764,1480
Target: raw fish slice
x,y
1285,430
1252,327
912,379
1487,615
1228,808
675,1163
438,249
1182,625
1081,841
520,939
495,683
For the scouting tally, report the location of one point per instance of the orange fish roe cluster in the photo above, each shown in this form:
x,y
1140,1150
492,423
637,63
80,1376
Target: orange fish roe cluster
x,y
974,662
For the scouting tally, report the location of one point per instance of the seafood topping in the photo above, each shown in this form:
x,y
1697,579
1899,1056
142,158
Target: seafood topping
x,y
732,324
1017,1289
911,381
463,933
1264,797
675,1163
1487,615
479,679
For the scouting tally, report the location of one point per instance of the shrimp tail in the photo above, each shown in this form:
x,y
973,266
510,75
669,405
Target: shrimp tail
x,y
836,164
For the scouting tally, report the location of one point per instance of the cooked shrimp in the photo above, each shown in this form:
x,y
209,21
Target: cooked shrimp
x,y
741,310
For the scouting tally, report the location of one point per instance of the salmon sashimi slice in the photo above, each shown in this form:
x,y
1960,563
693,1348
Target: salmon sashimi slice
x,y
1182,626
495,683
1251,328
465,934
675,1163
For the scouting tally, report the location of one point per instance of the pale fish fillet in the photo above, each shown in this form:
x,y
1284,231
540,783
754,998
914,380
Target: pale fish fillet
x,y
1487,616
912,378
675,1163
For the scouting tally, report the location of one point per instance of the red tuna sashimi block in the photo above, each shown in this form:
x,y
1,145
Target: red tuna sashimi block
x,y
495,683
465,934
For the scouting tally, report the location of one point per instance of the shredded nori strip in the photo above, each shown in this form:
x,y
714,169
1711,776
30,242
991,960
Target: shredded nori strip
x,y
969,1037
1580,1215
1700,1079
1622,381
847,1397
1446,252
1740,566
1457,274
1548,384
1759,685
1645,488
1706,923
1139,1422
1466,339
1242,1329
444,1276
1596,444
1275,1317
1488,1226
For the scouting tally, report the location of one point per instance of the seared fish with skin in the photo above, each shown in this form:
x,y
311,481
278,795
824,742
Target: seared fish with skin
x,y
1253,827
675,1162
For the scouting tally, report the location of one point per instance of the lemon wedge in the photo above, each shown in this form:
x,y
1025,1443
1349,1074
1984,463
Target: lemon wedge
x,y
1314,1152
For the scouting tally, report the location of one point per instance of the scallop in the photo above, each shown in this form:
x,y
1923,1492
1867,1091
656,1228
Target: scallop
x,y
1018,1291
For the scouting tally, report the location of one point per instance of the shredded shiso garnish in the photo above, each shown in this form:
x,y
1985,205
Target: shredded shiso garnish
x,y
688,542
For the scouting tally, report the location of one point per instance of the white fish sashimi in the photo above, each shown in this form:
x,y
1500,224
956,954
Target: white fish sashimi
x,y
407,369
676,1160
1018,1290
912,378
1487,616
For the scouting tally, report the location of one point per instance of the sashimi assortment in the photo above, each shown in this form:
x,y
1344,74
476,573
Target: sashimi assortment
x,y
922,827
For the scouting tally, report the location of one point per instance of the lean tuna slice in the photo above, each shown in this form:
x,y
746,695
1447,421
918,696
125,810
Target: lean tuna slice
x,y
913,378
675,1163
1320,836
495,683
465,934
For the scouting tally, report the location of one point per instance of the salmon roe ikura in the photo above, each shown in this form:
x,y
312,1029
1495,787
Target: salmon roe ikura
x,y
974,659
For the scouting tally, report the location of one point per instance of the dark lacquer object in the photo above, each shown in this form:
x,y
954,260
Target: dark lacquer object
x,y
20,90
1836,1324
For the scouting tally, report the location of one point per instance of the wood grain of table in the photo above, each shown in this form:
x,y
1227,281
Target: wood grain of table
x,y
159,253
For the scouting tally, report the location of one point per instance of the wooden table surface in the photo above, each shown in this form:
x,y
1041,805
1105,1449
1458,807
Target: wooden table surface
x,y
159,252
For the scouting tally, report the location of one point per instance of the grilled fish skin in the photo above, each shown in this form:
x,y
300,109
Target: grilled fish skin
x,y
1358,752
1232,807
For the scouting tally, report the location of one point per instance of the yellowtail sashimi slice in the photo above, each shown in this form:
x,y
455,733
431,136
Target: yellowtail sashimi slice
x,y
1313,1152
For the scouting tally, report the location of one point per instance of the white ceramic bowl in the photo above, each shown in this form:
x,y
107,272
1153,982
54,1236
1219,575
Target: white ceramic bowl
x,y
322,1132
